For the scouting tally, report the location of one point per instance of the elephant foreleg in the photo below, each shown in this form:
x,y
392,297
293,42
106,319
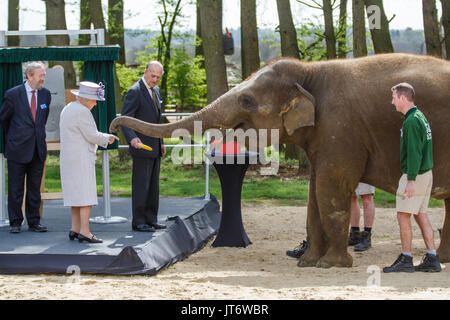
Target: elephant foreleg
x,y
444,247
317,244
334,208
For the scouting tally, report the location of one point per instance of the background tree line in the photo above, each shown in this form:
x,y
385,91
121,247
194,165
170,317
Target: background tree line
x,y
192,80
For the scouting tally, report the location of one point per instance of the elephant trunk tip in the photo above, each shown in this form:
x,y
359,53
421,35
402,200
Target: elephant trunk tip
x,y
114,126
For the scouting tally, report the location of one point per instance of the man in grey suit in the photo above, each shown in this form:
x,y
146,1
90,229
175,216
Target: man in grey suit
x,y
143,102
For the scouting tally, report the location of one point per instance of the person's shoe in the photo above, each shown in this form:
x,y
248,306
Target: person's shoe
x,y
73,235
158,226
143,228
94,239
37,228
430,263
364,242
354,238
402,264
298,251
15,229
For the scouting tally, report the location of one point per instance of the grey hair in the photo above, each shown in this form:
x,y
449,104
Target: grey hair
x,y
32,66
155,63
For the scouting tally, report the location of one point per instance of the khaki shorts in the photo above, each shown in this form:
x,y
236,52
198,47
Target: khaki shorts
x,y
363,189
418,203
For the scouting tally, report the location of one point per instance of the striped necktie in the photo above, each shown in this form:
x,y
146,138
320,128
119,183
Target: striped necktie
x,y
155,100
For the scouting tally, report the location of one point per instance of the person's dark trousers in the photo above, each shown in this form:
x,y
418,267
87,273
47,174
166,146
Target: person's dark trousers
x,y
16,178
145,190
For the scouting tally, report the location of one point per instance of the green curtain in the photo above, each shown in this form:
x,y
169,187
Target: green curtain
x,y
105,111
99,62
10,76
73,53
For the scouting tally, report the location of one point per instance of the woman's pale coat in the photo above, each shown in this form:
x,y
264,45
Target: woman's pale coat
x,y
79,139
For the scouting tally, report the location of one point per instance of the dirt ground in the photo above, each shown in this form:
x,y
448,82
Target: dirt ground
x,y
261,271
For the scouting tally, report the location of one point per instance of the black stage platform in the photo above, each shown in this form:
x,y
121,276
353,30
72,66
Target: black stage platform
x,y
193,222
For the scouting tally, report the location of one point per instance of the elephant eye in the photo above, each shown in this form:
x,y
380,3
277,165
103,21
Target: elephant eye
x,y
247,102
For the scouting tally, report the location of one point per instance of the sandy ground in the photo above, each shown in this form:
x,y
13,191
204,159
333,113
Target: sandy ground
x,y
261,271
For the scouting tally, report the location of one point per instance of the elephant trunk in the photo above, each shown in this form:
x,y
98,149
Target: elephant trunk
x,y
221,113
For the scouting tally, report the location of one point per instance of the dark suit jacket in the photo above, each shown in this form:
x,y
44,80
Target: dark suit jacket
x,y
22,134
138,104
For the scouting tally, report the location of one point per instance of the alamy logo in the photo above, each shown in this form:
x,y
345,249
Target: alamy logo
x,y
374,17
427,125
257,141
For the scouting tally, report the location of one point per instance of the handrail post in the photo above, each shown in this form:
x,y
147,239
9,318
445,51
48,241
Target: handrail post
x,y
3,209
207,195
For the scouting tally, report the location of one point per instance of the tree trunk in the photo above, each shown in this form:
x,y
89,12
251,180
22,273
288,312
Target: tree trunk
x,y
330,38
359,29
116,36
198,41
342,35
13,22
98,19
56,20
85,22
216,72
446,24
289,48
115,27
288,35
431,28
381,37
249,38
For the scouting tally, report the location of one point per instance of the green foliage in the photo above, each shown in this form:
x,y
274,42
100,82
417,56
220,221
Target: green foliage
x,y
187,80
127,76
311,41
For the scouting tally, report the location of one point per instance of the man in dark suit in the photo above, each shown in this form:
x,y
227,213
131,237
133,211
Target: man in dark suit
x,y
23,116
143,102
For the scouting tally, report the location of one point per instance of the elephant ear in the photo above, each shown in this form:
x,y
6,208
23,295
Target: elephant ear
x,y
299,112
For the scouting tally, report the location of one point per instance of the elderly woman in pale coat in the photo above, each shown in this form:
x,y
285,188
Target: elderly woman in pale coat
x,y
79,139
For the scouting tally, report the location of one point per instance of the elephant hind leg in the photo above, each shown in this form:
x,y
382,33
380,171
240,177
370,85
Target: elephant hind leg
x,y
444,247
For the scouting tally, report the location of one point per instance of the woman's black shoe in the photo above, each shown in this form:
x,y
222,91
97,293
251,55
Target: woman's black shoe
x,y
73,235
82,238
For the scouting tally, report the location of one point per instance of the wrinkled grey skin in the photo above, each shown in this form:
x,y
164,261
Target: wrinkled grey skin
x,y
340,113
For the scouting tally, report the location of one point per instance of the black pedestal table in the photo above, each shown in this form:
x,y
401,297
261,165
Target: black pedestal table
x,y
231,169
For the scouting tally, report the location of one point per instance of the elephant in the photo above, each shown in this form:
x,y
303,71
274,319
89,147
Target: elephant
x,y
339,111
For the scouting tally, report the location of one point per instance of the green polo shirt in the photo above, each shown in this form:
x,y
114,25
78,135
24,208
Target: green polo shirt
x,y
416,150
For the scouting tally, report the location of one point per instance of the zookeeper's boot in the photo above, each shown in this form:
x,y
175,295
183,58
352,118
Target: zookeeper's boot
x,y
354,237
364,242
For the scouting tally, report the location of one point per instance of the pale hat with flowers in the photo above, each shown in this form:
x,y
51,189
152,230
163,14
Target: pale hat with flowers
x,y
90,90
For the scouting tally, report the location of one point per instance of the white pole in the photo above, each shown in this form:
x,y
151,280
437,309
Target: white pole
x,y
106,218
207,196
2,38
100,37
105,170
3,209
106,185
